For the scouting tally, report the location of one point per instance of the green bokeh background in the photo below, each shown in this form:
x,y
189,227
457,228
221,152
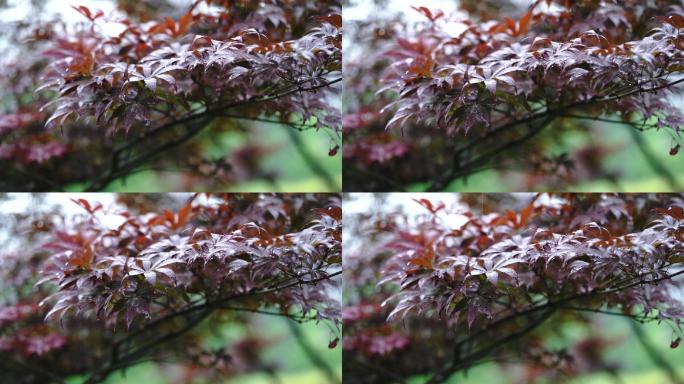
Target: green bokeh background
x,y
634,172
292,172
635,366
292,364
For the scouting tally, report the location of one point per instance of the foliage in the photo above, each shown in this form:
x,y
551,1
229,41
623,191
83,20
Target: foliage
x,y
97,105
484,281
462,94
141,283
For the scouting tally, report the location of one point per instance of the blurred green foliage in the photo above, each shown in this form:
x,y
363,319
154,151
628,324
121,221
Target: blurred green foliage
x,y
291,170
291,362
635,365
634,173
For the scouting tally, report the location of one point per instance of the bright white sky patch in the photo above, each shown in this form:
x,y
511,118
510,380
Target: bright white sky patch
x,y
363,9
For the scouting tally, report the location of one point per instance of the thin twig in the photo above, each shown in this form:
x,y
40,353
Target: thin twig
x,y
312,354
311,161
655,163
296,319
655,355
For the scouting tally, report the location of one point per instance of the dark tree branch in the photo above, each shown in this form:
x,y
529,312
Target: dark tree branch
x,y
561,301
217,303
296,319
640,128
397,187
205,309
117,362
300,127
473,358
117,170
54,187
610,313
384,372
47,375
466,169
458,170
547,307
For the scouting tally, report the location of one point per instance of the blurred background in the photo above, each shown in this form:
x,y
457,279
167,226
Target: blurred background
x,y
262,349
635,353
616,157
290,357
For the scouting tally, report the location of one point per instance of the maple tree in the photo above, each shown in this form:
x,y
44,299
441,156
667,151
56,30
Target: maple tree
x,y
493,278
497,86
139,282
155,87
